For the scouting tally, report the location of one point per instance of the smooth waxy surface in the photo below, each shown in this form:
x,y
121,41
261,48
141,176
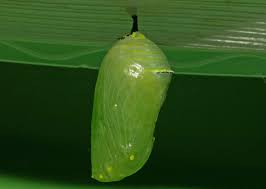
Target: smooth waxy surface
x,y
131,87
199,37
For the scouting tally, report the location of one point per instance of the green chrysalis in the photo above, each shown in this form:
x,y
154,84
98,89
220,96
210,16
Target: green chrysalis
x,y
131,87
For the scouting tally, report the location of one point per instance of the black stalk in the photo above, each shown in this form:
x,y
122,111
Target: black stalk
x,y
135,24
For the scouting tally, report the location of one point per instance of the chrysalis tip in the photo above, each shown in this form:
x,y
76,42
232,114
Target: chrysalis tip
x,y
134,24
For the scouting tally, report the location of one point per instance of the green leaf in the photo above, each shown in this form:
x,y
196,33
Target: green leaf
x,y
205,37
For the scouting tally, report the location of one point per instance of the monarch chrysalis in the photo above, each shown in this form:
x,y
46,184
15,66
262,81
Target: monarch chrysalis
x,y
130,89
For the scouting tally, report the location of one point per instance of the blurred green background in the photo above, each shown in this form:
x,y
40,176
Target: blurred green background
x,y
210,132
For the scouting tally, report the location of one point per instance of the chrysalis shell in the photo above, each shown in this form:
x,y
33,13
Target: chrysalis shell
x,y
130,90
